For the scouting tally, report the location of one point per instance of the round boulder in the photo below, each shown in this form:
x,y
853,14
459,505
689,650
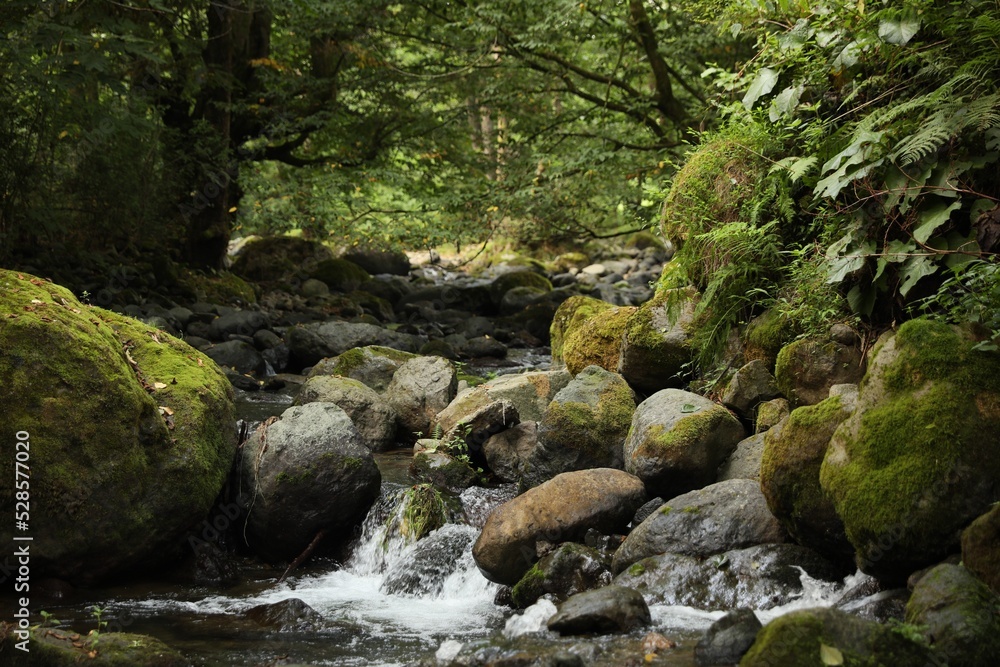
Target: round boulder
x,y
807,368
657,341
560,510
128,433
309,471
420,389
678,440
604,610
374,418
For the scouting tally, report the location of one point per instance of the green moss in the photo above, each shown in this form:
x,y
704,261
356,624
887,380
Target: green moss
x,y
643,240
220,287
649,332
110,472
509,281
636,569
350,361
597,341
571,313
666,509
340,275
694,427
766,335
691,509
570,260
425,510
531,587
53,647
892,467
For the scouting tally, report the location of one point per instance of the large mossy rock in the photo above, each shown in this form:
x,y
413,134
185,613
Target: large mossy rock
x,y
958,614
116,479
721,517
307,472
372,365
278,258
560,510
678,440
571,313
789,475
584,426
822,637
657,341
919,458
371,413
340,275
54,647
806,369
597,341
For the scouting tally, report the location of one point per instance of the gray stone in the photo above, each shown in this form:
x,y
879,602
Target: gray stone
x,y
309,471
657,342
312,287
420,389
291,615
373,416
728,639
238,355
724,516
744,462
807,368
678,440
311,342
507,452
570,569
752,384
242,322
604,610
483,346
373,366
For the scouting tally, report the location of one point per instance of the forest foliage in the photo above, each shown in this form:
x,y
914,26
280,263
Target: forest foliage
x,y
867,185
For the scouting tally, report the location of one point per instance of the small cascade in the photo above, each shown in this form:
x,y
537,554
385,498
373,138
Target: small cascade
x,y
479,502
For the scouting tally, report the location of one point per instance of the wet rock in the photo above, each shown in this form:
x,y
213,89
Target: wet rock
x,y
572,568
958,614
238,355
419,390
744,462
242,382
678,440
507,451
377,262
55,647
807,368
87,385
309,471
751,385
605,610
923,447
646,510
443,470
770,413
483,346
583,427
789,475
882,607
291,615
431,562
981,548
727,639
372,414
242,322
265,339
831,636
560,510
726,515
310,343
657,341
762,577
373,365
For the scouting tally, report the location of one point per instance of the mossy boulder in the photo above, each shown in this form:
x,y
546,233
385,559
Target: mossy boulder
x,y
55,647
981,548
770,414
222,287
340,275
508,281
583,427
677,440
821,637
570,260
377,261
644,240
919,458
789,475
372,365
597,341
657,341
766,334
307,472
572,568
807,368
571,313
278,258
116,479
958,614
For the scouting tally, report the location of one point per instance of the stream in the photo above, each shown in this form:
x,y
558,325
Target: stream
x,y
390,603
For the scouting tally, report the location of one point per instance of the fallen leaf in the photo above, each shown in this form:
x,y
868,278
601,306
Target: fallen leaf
x,y
830,655
159,385
92,655
689,407
164,410
37,301
199,362
37,282
20,276
46,319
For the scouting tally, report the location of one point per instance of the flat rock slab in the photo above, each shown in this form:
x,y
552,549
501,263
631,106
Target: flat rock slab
x,y
604,610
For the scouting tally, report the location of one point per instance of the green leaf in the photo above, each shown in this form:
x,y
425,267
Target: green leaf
x,y
795,167
785,102
830,655
915,268
862,299
762,84
933,217
899,251
689,407
898,31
